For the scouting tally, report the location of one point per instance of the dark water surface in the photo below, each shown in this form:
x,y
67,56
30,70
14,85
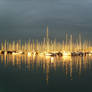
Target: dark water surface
x,y
48,74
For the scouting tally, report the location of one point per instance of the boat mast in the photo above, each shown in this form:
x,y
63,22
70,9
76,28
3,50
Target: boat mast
x,y
47,38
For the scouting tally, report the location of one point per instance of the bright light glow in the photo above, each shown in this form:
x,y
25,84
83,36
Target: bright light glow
x,y
48,54
5,52
47,47
66,53
47,57
52,59
19,52
41,54
13,53
29,53
66,58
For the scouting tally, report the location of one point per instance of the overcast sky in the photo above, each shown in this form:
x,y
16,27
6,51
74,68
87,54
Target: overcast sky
x,y
22,19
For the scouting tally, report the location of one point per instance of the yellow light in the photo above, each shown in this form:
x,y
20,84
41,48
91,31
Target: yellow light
x,y
66,58
66,53
5,52
90,54
52,60
13,53
29,53
48,54
41,54
47,57
0,51
19,52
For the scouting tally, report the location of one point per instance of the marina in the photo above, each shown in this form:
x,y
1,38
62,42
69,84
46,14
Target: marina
x,y
47,47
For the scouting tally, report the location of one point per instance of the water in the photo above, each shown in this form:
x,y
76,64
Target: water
x,y
34,73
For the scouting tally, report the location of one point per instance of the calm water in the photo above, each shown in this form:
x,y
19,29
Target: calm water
x,y
21,73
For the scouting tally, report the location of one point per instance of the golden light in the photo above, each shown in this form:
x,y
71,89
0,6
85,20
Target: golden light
x,y
90,54
0,51
13,53
48,54
19,52
5,53
47,57
66,58
47,47
66,53
52,59
41,54
29,53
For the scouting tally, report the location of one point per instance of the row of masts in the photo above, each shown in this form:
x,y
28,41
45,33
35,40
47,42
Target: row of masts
x,y
47,45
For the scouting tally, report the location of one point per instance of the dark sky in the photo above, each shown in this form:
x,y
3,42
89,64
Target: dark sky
x,y
24,19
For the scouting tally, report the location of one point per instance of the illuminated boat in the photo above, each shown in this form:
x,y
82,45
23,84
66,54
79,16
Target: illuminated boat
x,y
19,52
77,54
10,52
50,54
66,53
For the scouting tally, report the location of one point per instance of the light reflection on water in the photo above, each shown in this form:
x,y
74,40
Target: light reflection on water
x,y
69,65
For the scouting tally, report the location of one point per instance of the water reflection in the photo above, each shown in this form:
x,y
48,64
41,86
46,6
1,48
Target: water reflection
x,y
69,65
